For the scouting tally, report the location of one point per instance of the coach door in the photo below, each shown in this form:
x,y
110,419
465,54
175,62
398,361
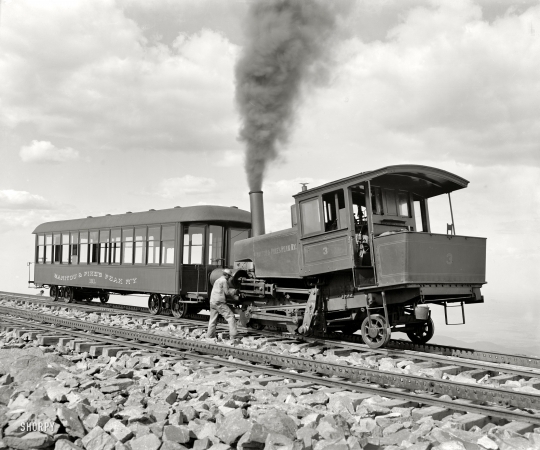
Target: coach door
x,y
202,253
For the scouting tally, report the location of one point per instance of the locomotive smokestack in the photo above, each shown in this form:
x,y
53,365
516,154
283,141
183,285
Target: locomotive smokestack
x,y
257,212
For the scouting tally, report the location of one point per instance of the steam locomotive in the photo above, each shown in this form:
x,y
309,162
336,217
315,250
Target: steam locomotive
x,y
359,255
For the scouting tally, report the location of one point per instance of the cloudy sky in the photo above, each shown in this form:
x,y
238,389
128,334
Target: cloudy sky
x,y
112,106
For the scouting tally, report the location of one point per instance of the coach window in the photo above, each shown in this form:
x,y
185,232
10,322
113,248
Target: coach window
x,y
215,245
193,244
57,248
235,234
140,245
74,257
40,249
94,247
311,217
104,246
115,246
83,255
48,249
167,245
153,245
65,248
127,245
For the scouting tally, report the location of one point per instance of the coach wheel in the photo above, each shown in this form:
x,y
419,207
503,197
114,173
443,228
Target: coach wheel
x,y
154,303
422,333
103,297
53,293
179,309
67,294
375,331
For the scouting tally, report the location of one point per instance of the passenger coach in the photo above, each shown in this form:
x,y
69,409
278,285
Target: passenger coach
x,y
167,254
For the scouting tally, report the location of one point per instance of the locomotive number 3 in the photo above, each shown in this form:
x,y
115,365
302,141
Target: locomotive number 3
x,y
325,250
449,258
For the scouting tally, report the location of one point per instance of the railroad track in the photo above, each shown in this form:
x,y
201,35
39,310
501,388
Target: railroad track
x,y
338,338
452,395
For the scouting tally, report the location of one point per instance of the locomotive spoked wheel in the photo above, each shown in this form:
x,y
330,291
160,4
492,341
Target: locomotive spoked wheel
x,y
67,294
154,303
179,309
375,331
103,297
53,293
422,333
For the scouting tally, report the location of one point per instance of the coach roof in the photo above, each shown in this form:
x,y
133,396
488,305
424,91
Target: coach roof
x,y
205,213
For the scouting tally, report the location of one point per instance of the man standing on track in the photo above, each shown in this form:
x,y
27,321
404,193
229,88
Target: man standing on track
x,y
218,306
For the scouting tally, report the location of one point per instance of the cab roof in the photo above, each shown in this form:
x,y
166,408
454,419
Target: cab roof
x,y
421,180
204,213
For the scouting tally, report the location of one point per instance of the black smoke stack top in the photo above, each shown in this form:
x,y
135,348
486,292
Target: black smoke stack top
x,y
257,212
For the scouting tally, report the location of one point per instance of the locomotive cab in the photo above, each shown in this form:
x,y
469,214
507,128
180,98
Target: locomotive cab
x,y
361,256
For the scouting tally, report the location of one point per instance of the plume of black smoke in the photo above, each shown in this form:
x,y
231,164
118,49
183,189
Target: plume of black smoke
x,y
287,42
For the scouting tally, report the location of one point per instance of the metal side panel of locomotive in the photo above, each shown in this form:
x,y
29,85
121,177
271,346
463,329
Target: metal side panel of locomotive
x,y
361,255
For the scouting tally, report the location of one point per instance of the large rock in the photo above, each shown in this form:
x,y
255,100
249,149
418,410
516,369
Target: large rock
x,y
56,392
279,422
177,433
254,438
71,422
118,430
233,426
329,431
95,420
147,442
307,435
97,439
277,441
64,444
29,441
349,402
318,398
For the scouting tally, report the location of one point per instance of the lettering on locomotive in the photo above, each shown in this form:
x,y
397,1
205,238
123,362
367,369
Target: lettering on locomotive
x,y
275,250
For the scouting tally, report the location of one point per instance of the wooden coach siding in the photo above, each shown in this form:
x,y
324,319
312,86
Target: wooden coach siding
x,y
162,279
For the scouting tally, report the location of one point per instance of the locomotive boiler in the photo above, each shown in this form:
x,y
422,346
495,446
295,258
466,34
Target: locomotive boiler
x,y
359,255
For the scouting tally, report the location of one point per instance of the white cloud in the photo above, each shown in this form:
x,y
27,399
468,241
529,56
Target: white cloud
x,y
446,84
230,158
186,185
84,71
15,200
44,151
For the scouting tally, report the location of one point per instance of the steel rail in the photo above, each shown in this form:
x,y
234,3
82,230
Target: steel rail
x,y
394,344
309,377
362,348
357,374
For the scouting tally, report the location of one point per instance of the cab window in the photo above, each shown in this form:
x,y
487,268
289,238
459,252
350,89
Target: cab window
x,y
335,216
311,216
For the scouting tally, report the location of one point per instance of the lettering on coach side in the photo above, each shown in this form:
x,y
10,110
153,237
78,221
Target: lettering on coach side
x,y
92,275
276,250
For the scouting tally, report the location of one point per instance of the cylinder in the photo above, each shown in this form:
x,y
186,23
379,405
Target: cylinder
x,y
257,213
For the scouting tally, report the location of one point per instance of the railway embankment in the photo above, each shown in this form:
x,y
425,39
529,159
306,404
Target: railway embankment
x,y
55,397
